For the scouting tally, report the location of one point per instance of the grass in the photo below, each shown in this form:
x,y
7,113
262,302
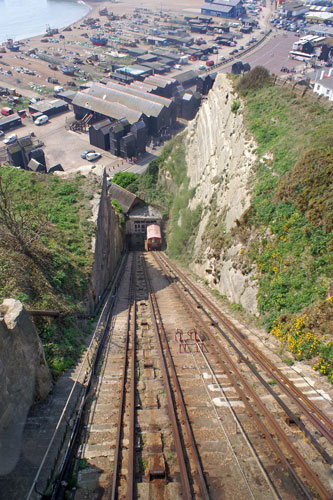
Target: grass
x,y
286,234
56,272
291,212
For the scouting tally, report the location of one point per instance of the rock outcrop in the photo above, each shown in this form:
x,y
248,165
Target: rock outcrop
x,y
220,164
24,374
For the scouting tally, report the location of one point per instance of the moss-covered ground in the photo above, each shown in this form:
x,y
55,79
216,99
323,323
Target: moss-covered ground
x,y
45,253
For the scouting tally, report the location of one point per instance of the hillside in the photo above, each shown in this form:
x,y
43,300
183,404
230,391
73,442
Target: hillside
x,y
248,190
45,253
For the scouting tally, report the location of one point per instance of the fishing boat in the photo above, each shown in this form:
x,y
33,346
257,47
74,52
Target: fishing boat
x,y
11,45
99,40
67,70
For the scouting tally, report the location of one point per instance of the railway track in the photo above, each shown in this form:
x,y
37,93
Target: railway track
x,y
181,404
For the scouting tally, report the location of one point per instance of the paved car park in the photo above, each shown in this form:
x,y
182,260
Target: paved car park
x,y
65,146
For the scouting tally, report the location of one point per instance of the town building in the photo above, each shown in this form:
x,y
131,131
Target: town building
x,y
223,8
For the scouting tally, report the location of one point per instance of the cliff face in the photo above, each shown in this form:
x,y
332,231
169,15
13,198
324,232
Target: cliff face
x,y
220,165
25,377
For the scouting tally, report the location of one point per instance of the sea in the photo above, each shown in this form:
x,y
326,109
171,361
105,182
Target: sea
x,y
21,19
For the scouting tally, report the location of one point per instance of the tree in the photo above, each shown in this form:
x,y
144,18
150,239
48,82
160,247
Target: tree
x,y
21,223
124,179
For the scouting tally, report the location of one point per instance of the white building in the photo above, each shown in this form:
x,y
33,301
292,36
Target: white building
x,y
324,84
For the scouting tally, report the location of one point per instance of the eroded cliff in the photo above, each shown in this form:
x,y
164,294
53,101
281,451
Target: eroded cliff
x,y
220,164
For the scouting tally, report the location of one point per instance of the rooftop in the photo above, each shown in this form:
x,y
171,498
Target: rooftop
x,y
110,109
125,198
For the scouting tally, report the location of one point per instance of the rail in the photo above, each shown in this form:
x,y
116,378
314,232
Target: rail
x,y
320,421
85,372
235,376
162,342
129,330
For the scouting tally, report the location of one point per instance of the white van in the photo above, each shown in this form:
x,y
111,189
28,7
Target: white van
x,y
41,120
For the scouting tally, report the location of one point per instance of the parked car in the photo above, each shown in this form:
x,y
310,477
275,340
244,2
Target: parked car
x,y
12,138
177,66
222,58
210,63
35,99
202,66
93,156
84,154
204,58
41,120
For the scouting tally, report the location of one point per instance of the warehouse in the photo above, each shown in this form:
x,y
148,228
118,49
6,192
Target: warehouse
x,y
156,111
161,85
223,8
151,97
187,79
49,108
10,122
135,71
84,104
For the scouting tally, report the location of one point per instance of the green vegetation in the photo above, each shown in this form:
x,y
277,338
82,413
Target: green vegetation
x,y
286,233
45,259
291,211
165,183
235,106
255,79
124,179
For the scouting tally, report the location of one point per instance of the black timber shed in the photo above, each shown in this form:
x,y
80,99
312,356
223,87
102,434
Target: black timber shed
x,y
99,134
10,122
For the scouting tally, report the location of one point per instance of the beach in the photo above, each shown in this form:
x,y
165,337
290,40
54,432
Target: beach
x,y
31,74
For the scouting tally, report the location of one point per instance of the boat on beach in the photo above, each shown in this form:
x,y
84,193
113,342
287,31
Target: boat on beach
x,y
13,46
68,70
99,40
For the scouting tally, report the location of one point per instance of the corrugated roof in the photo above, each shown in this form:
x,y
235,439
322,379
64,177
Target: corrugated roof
x,y
159,81
231,3
186,76
210,7
108,94
102,123
143,86
140,93
111,109
125,198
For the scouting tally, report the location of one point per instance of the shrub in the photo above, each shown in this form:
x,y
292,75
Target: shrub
x,y
255,79
235,106
124,179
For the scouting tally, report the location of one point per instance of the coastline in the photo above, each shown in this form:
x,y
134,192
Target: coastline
x,y
90,6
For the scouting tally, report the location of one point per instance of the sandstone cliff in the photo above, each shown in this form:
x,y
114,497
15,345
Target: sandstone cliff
x,y
220,164
25,377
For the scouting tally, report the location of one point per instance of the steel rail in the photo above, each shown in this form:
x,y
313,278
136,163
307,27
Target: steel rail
x,y
238,424
131,458
254,370
131,305
232,372
162,339
94,346
323,424
156,321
